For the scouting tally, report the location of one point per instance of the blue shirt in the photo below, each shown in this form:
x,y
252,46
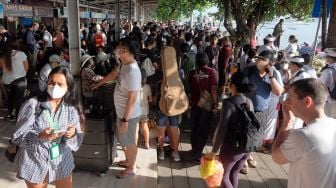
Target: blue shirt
x,y
33,159
261,96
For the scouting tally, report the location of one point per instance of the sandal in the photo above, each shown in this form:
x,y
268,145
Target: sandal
x,y
244,170
125,174
252,163
122,164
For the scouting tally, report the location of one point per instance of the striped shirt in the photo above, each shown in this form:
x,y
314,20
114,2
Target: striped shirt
x,y
33,160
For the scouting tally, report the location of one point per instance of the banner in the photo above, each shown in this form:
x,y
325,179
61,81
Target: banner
x,y
15,10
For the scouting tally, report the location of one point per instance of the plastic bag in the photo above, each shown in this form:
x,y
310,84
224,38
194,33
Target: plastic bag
x,y
212,172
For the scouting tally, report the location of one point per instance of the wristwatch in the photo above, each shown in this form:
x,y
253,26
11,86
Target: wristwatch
x,y
124,120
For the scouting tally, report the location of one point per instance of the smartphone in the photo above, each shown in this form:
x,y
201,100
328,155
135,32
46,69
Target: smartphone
x,y
58,132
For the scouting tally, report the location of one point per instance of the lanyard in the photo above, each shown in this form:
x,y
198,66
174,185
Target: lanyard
x,y
54,124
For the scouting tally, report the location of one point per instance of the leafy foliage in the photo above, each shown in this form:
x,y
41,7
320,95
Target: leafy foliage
x,y
248,14
175,9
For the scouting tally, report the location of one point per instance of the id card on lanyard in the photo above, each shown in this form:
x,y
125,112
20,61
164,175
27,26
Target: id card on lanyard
x,y
55,150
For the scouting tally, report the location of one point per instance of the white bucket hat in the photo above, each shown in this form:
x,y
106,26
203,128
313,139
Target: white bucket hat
x,y
55,58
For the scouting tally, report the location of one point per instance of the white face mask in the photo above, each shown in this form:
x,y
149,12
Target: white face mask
x,y
56,92
284,66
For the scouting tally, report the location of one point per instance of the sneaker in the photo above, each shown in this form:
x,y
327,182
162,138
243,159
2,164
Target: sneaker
x,y
176,156
161,155
11,118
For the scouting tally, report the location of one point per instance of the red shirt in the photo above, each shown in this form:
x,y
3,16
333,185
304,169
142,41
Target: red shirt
x,y
207,78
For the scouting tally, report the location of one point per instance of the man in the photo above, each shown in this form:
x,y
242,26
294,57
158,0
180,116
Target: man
x,y
32,49
328,78
296,64
54,61
310,151
277,32
223,63
127,103
269,86
213,51
268,45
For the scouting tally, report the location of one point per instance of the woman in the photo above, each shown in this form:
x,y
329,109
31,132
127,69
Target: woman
x,y
233,158
203,78
88,76
293,47
50,127
14,64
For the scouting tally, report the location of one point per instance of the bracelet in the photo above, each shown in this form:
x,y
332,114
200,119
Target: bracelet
x,y
270,77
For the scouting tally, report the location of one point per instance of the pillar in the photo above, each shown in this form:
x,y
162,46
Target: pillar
x,y
74,43
117,20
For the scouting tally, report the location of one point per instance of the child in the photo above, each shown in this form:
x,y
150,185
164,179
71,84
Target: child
x,y
145,99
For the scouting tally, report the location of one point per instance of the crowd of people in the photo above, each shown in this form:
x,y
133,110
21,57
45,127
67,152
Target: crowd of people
x,y
280,86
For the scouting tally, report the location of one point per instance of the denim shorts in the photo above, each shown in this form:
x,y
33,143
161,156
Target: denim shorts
x,y
163,120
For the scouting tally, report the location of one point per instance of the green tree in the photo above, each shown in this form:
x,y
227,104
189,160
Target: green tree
x,y
248,14
175,9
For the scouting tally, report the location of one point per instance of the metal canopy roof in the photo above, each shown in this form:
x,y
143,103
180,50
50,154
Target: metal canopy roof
x,y
110,4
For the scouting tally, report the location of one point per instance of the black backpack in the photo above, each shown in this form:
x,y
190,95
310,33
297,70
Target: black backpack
x,y
247,133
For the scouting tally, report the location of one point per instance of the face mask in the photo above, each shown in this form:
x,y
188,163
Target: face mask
x,y
56,92
284,66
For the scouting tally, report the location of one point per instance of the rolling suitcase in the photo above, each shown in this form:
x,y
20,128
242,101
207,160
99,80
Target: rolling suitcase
x,y
96,151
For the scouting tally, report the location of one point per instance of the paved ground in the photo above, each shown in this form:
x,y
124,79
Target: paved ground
x,y
151,173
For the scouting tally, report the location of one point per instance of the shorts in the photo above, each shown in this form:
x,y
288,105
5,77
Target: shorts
x,y
163,120
128,138
144,118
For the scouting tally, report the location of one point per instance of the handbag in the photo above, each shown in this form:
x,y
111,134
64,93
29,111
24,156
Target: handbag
x,y
147,65
205,101
11,151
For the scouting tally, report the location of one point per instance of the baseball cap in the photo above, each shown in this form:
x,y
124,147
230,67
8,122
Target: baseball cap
x,y
264,55
54,58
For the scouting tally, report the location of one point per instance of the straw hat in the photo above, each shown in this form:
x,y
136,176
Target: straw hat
x,y
85,58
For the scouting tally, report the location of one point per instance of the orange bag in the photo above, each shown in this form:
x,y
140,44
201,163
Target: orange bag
x,y
212,172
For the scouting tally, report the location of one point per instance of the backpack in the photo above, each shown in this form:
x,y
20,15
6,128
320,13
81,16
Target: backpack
x,y
99,40
247,133
333,91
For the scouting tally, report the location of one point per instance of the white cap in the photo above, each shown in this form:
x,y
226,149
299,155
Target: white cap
x,y
270,38
297,59
330,52
54,58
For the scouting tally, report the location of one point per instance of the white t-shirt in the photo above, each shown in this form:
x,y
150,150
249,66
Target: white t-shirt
x,y
129,80
144,94
48,38
18,70
311,151
43,77
292,48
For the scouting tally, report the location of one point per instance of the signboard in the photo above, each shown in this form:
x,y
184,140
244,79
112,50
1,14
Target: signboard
x,y
43,12
110,16
98,15
1,12
26,22
16,10
317,8
85,14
